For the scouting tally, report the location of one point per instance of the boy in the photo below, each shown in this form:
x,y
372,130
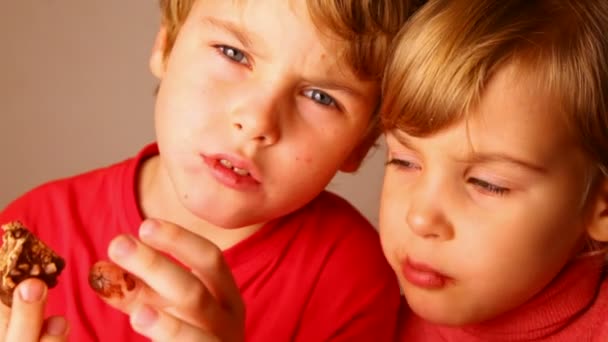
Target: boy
x,y
259,104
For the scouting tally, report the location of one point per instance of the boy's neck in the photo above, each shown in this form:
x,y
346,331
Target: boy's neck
x,y
156,199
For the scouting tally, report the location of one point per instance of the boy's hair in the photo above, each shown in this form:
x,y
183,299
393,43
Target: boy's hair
x,y
450,49
362,29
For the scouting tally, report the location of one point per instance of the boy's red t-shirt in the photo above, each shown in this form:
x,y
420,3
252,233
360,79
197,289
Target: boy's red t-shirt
x,y
317,274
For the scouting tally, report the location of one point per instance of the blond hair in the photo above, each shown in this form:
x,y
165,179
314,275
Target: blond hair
x,y
447,53
363,29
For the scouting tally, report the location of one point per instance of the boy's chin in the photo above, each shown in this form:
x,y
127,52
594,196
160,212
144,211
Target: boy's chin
x,y
225,221
229,223
221,218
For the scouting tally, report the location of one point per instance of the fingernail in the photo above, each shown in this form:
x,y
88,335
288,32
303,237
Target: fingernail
x,y
122,246
148,228
56,326
144,316
32,291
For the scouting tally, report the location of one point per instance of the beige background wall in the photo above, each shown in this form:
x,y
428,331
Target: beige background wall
x,y
76,94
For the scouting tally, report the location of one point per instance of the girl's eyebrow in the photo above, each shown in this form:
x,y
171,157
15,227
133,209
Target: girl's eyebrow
x,y
479,157
403,139
484,158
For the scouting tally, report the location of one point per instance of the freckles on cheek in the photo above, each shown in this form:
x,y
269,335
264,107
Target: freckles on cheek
x,y
304,159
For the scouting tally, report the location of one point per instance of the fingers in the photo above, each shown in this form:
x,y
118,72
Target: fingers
x,y
148,320
55,329
202,256
160,326
174,283
5,314
108,280
181,293
27,312
24,322
121,289
203,297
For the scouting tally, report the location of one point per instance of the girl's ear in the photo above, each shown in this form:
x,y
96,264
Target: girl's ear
x,y
598,225
157,58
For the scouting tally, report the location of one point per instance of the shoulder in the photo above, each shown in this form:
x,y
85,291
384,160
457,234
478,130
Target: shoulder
x,y
355,288
330,225
353,257
331,209
332,221
66,196
64,187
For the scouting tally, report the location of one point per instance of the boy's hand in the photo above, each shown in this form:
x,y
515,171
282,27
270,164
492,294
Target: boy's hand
x,y
25,322
169,302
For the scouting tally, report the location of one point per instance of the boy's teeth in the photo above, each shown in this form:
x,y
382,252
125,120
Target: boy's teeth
x,y
226,163
241,172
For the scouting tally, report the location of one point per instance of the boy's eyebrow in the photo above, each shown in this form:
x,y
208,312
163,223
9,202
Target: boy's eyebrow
x,y
335,85
247,39
244,37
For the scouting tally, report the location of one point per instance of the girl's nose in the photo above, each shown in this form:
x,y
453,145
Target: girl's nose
x,y
426,218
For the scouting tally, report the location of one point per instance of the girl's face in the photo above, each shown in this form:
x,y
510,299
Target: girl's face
x,y
479,217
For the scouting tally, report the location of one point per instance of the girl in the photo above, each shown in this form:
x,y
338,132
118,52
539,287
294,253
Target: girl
x,y
494,210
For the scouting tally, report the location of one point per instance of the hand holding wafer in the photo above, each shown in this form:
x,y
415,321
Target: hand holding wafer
x,y
28,268
167,301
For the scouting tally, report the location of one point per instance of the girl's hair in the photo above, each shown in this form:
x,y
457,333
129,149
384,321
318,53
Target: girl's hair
x,y
361,30
445,56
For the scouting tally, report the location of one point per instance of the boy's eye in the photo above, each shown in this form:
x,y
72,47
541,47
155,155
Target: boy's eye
x,y
233,53
320,97
489,187
400,163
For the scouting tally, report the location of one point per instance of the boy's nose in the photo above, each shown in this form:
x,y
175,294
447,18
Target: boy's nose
x,y
262,136
257,121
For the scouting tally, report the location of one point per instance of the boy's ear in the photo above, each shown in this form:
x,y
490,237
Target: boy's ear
x,y
157,58
354,160
598,225
356,157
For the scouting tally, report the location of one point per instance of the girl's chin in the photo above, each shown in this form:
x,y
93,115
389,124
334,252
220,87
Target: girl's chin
x,y
445,316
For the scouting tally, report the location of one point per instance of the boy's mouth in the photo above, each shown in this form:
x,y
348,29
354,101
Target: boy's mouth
x,y
227,164
242,170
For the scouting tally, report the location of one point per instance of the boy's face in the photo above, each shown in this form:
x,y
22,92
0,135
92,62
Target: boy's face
x,y
478,217
255,112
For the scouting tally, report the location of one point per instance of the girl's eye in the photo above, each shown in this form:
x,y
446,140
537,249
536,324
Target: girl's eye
x,y
400,163
489,187
233,53
320,97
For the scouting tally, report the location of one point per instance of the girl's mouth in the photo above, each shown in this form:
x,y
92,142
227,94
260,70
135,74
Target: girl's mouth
x,y
423,276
